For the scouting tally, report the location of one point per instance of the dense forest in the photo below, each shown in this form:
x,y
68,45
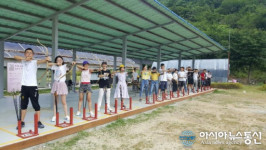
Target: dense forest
x,y
243,20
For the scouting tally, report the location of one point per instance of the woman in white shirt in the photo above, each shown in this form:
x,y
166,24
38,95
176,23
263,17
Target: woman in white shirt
x,y
59,87
169,77
181,78
195,79
175,80
209,76
121,90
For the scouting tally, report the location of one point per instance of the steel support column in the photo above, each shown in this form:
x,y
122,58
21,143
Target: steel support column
x,y
124,52
159,58
2,49
179,60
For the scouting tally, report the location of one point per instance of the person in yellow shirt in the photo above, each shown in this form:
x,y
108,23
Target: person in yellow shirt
x,y
154,82
145,76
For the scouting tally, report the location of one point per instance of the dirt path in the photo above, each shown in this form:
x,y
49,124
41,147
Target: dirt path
x,y
228,111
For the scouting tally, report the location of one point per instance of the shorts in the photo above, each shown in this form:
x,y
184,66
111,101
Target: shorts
x,y
190,81
32,93
135,82
181,83
163,85
85,88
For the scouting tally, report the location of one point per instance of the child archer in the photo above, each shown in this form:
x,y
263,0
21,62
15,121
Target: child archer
x,y
104,83
85,86
59,87
121,90
29,89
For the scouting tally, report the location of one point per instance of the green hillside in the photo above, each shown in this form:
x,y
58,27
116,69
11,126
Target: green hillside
x,y
246,22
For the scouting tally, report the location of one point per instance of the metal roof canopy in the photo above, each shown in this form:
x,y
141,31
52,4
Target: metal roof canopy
x,y
99,26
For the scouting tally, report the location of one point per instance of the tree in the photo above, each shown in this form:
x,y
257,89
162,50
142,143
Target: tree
x,y
246,20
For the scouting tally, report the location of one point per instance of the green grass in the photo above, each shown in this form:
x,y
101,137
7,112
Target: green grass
x,y
217,91
263,87
227,85
75,139
44,91
117,123
69,143
140,118
252,88
94,87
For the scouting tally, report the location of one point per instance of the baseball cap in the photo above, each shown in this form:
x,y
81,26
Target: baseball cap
x,y
85,62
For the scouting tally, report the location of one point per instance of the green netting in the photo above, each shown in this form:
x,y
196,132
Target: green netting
x,y
102,19
144,11
7,12
103,48
180,47
155,39
214,48
12,24
114,45
195,52
100,51
190,44
47,23
167,34
201,42
110,9
82,31
41,30
7,30
2,35
58,4
21,5
143,41
135,45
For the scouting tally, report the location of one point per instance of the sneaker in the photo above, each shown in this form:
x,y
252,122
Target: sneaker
x,y
22,124
159,96
150,100
78,113
110,109
40,125
140,99
53,119
91,113
67,118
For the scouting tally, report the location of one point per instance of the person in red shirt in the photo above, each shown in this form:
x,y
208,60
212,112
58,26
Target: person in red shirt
x,y
203,78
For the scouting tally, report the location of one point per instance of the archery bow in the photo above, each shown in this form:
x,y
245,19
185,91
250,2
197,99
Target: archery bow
x,y
47,55
98,59
67,72
98,62
70,68
21,46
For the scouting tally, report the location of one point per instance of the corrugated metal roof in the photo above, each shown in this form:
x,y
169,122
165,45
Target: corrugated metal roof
x,y
99,25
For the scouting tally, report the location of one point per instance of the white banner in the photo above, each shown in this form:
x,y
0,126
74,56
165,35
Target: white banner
x,y
14,76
